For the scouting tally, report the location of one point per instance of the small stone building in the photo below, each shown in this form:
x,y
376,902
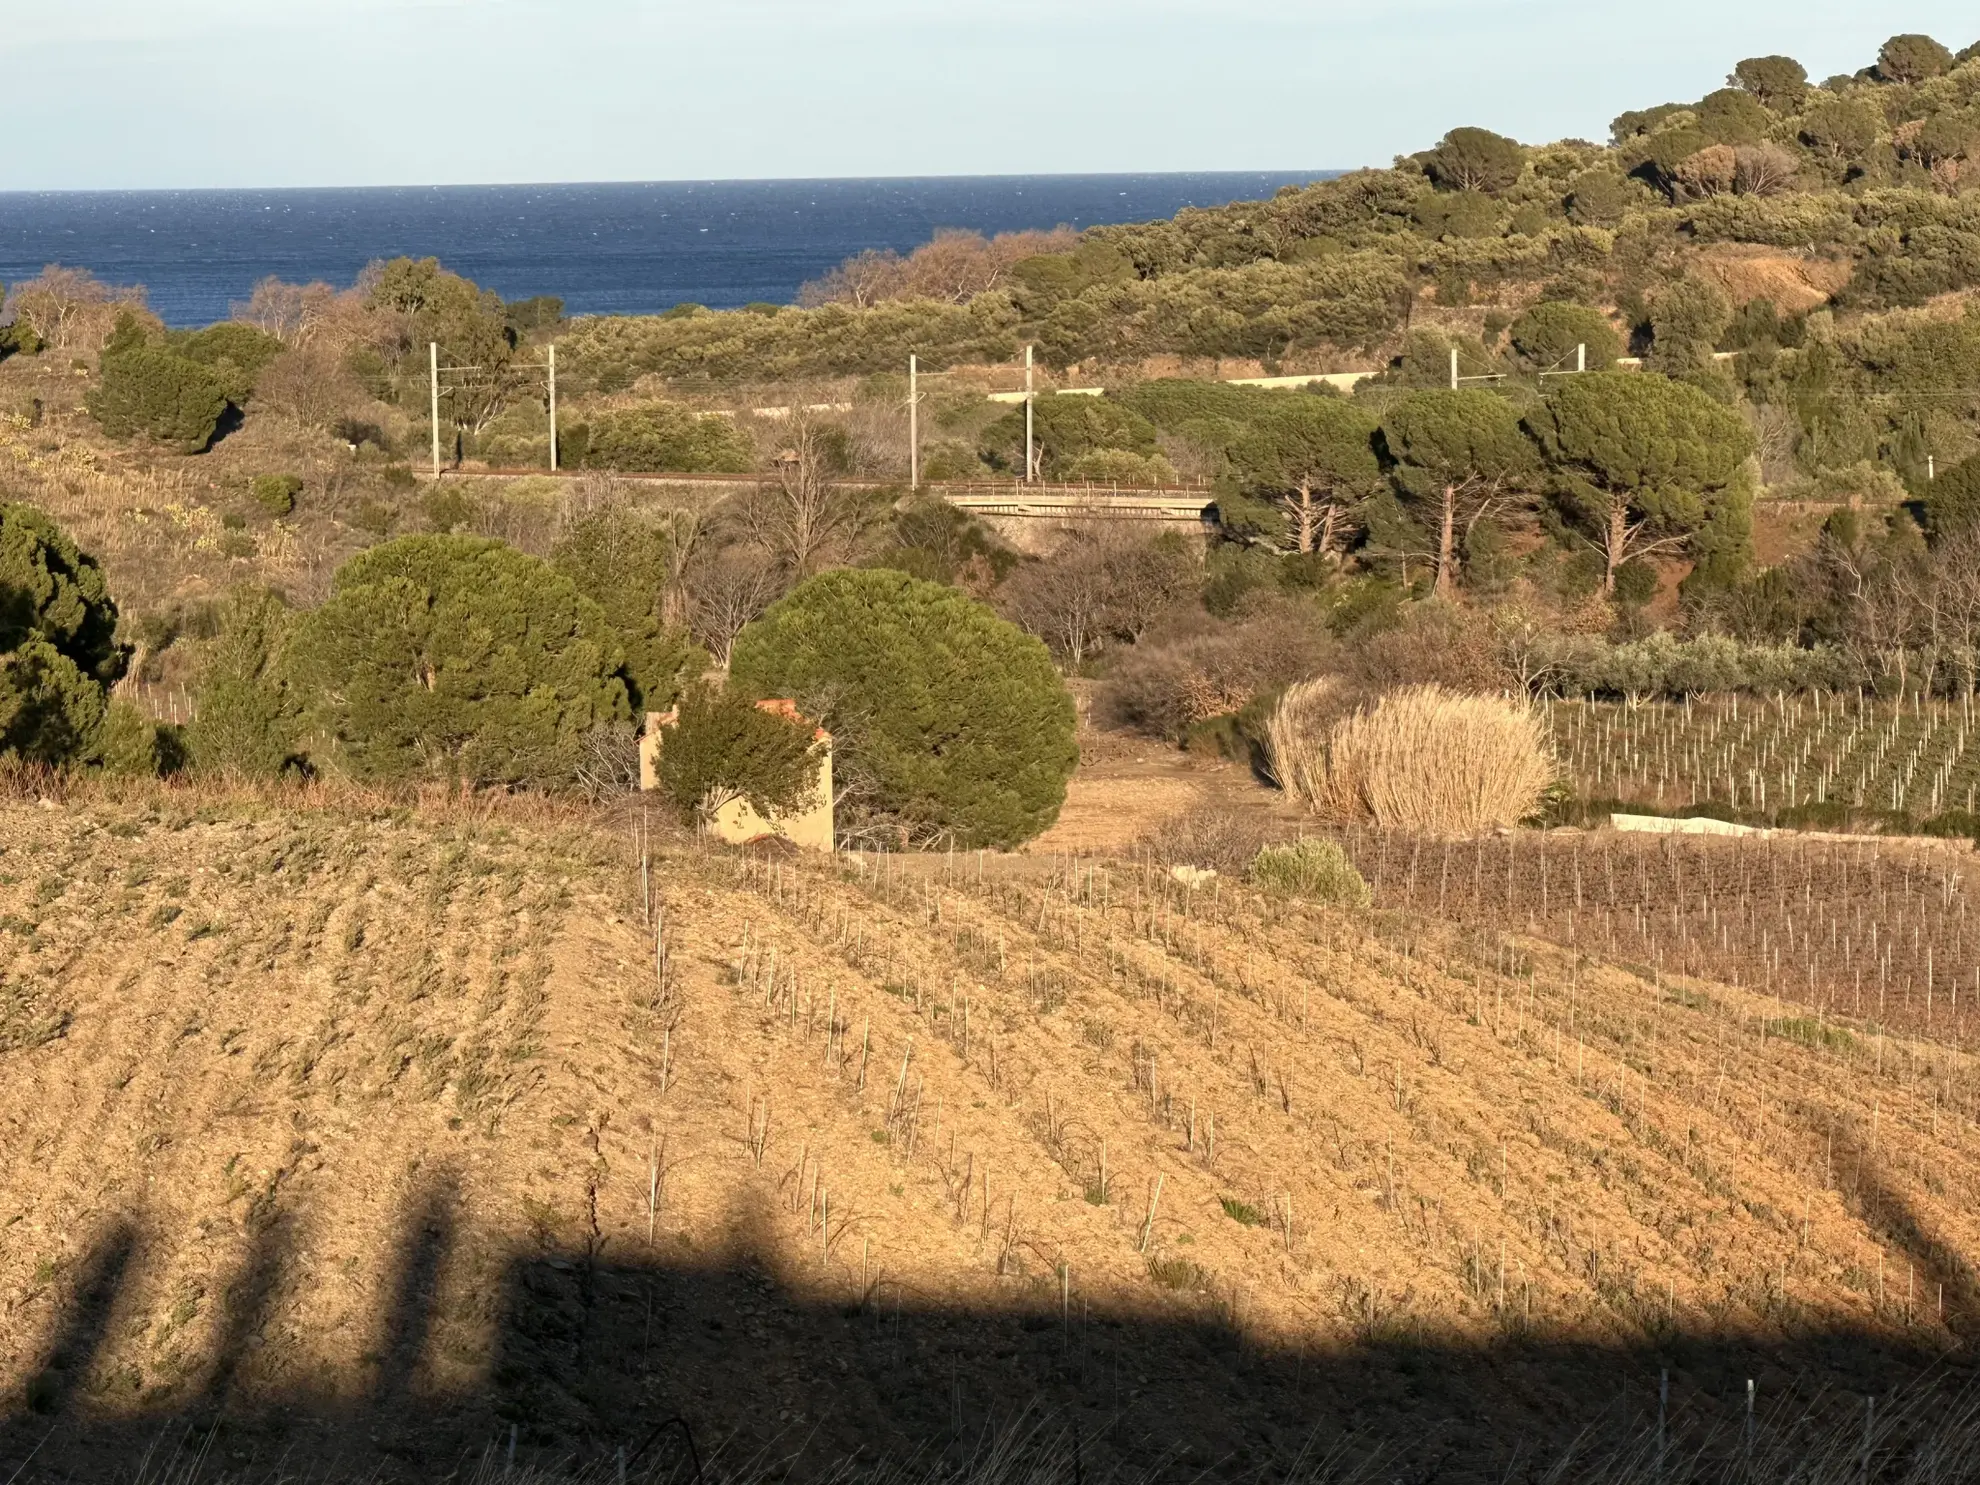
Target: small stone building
x,y
810,828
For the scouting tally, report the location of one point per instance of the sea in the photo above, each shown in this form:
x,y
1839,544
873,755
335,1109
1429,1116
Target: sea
x,y
604,249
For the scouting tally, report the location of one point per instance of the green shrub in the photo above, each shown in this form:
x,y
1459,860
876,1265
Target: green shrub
x,y
659,436
158,394
447,509
1185,1275
1636,583
723,746
247,719
234,353
1313,868
276,493
49,709
1240,1212
130,745
460,658
51,589
374,516
951,725
58,647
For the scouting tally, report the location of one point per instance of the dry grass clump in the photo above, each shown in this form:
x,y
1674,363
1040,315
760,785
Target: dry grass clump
x,y
1421,758
1295,735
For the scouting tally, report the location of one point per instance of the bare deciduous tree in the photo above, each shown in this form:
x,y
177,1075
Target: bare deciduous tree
x,y
310,384
70,309
953,267
1062,600
807,517
724,591
1105,583
1763,169
1950,588
294,314
686,526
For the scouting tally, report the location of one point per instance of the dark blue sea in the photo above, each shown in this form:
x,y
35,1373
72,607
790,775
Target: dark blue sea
x,y
606,249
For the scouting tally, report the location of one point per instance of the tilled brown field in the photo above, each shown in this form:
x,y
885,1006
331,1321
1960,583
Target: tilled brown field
x,y
379,1138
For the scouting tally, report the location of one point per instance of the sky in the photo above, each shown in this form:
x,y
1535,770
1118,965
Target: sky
x,y
123,94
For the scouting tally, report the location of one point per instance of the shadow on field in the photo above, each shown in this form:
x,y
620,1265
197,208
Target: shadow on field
x,y
597,1354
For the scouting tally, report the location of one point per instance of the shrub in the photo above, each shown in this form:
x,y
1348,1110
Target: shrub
x,y
1241,1212
247,719
374,516
447,509
50,589
49,709
1172,680
1220,840
1952,823
236,354
1312,868
950,724
276,493
1185,1275
457,657
58,648
158,394
659,436
1420,758
129,745
1820,814
722,747
1434,643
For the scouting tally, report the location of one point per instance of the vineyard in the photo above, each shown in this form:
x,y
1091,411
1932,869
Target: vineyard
x,y
1875,934
1814,758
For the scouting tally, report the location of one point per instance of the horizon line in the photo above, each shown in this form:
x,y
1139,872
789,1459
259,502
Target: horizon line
x,y
1329,172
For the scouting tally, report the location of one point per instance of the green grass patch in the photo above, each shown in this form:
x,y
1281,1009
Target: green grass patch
x,y
1184,1275
1241,1212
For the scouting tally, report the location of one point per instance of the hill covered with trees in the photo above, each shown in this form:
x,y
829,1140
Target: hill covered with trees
x,y
1826,231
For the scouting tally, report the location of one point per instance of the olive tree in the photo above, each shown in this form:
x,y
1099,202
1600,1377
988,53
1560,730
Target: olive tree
x,y
1639,461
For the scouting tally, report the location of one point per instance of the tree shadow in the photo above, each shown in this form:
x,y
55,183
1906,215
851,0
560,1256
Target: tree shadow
x,y
780,1370
55,1384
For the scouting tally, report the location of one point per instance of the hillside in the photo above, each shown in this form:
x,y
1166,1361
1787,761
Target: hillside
x,y
370,1132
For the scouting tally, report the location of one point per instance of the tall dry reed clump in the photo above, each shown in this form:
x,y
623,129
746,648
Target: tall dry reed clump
x,y
1421,758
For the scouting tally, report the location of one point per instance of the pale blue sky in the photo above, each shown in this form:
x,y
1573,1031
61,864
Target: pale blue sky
x,y
179,93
